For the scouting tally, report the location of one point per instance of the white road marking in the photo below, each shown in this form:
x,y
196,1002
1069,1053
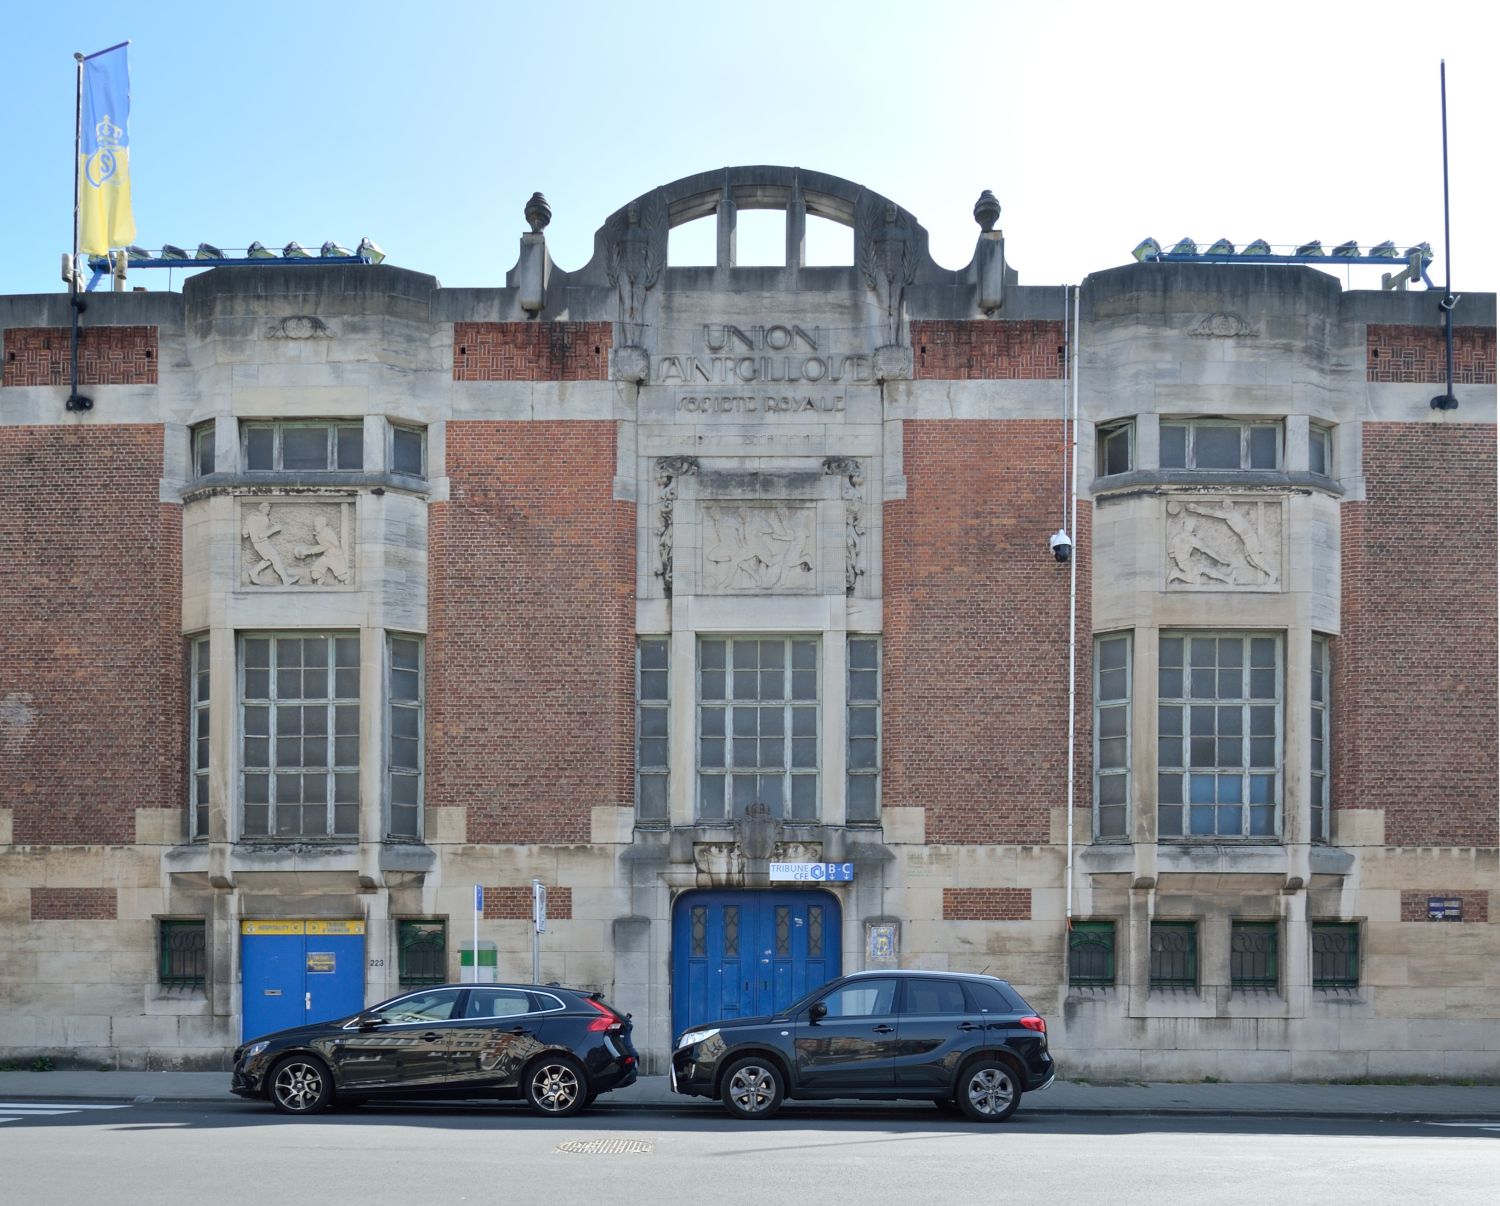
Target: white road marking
x,y
1483,1124
14,1111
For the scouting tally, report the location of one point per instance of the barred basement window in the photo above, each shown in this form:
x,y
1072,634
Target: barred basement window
x,y
1219,735
1252,955
1320,450
1115,447
1220,444
198,736
1174,954
404,740
203,449
181,947
862,798
651,713
1111,736
289,446
299,730
1335,954
1318,757
409,451
757,727
421,953
1091,954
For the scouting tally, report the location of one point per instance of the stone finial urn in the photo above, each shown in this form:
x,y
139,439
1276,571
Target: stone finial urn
x,y
538,213
987,211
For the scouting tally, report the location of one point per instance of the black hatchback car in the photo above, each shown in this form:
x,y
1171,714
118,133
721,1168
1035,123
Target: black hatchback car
x,y
558,1048
965,1042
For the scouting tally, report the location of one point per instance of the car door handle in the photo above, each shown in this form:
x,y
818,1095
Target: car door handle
x,y
521,1030
884,1029
969,1026
430,1037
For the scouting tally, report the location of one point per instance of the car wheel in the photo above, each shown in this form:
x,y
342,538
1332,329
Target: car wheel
x,y
301,1084
752,1089
556,1085
988,1090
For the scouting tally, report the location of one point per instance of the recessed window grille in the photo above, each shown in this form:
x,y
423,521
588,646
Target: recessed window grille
x,y
181,953
1174,954
1091,954
1252,955
1335,954
422,952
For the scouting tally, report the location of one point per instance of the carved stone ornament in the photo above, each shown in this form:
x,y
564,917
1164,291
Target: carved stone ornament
x,y
668,470
755,548
637,254
295,543
852,490
888,262
1223,544
1224,325
299,326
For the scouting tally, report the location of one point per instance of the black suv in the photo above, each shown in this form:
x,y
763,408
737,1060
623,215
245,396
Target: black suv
x,y
967,1042
556,1047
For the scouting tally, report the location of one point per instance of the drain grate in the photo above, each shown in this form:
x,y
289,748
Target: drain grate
x,y
609,1147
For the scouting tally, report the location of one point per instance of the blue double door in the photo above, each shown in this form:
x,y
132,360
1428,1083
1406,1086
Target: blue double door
x,y
294,973
744,954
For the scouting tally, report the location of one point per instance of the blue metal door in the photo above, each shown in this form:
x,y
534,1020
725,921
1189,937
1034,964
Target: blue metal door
x,y
297,972
741,954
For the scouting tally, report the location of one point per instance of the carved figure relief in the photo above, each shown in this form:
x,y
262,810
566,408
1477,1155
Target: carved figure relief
x,y
1224,325
755,548
668,470
1223,543
300,326
889,264
851,489
298,544
637,254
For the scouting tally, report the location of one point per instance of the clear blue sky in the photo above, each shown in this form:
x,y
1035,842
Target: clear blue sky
x,y
427,126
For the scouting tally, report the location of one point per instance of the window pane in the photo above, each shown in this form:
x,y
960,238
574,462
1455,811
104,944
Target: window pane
x,y
203,450
1216,447
1264,445
304,448
351,448
1173,446
1317,451
260,448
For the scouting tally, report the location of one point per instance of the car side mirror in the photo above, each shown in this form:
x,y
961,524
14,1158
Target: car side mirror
x,y
818,1012
371,1021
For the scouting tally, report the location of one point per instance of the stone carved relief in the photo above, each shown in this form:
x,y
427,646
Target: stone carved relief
x,y
668,470
637,254
852,490
1223,543
299,326
297,544
723,864
759,548
887,259
1224,325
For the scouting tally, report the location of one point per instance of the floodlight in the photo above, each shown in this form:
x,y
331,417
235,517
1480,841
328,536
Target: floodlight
x,y
1309,249
259,251
168,252
1422,249
1147,249
207,251
99,263
1386,250
331,248
295,251
1222,247
137,253
1347,250
370,251
1184,247
1259,247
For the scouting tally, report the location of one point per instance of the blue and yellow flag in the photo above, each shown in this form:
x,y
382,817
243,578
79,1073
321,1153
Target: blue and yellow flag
x,y
105,219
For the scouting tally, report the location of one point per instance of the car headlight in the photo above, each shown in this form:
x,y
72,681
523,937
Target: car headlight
x,y
693,1037
254,1049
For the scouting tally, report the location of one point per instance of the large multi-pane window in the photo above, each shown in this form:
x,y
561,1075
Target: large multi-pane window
x,y
404,738
1220,444
651,715
198,735
862,798
1111,735
299,730
1219,735
758,726
1318,730
299,446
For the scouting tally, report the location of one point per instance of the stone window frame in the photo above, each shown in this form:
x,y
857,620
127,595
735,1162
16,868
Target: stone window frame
x,y
394,432
1247,429
1120,704
1248,771
1320,442
340,707
1098,933
406,695
335,446
1254,955
182,952
790,774
1320,745
1350,957
653,712
1105,437
862,699
201,448
199,735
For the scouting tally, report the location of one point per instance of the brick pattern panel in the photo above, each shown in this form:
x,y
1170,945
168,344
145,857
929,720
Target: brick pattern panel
x,y
514,904
106,356
986,904
976,633
967,351
531,351
73,904
1476,903
1414,684
531,611
1420,355
91,661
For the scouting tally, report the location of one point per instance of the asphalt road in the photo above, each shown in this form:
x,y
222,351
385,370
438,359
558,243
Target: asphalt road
x,y
70,1153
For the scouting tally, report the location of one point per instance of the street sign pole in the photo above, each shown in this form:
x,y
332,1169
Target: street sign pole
x,y
478,909
538,926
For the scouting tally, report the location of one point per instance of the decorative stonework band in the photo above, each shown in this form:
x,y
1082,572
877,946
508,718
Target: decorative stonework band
x,y
1418,355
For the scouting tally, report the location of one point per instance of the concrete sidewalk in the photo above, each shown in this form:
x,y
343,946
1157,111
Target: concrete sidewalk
x,y
1397,1102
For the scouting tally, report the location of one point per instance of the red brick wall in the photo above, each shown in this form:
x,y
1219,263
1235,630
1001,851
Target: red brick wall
x,y
531,579
1414,691
531,351
91,660
986,904
106,356
1420,355
964,351
510,904
73,904
976,632
1476,903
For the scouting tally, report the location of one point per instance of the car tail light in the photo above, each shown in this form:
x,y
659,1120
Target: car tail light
x,y
608,1019
1034,1023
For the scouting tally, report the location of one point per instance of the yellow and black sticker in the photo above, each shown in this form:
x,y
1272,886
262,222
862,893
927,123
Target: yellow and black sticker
x,y
273,927
320,961
335,927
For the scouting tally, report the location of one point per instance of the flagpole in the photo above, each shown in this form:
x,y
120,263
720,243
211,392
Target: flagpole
x,y
76,402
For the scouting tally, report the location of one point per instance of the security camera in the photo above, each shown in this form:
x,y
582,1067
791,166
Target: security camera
x,y
1061,544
